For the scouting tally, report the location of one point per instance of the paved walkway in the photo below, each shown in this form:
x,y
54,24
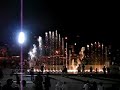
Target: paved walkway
x,y
73,82
106,83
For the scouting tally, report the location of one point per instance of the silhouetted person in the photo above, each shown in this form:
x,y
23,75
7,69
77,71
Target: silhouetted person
x,y
42,68
47,83
8,85
32,73
83,68
104,70
24,84
65,69
79,69
91,69
38,82
96,70
17,79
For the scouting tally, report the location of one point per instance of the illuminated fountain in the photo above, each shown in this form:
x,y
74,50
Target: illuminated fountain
x,y
72,66
32,57
35,53
53,52
97,56
40,45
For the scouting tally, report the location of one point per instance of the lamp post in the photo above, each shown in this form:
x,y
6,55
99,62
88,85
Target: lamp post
x,y
21,40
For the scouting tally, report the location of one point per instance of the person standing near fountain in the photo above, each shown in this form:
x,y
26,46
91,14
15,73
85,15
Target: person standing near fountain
x,y
91,69
83,68
104,70
64,71
38,82
47,83
32,73
17,79
96,70
42,68
79,69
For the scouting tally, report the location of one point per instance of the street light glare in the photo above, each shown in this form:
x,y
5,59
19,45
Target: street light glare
x,y
21,37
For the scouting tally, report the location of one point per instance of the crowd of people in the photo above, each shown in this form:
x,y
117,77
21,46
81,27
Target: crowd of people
x,y
12,86
39,83
93,86
45,83
81,68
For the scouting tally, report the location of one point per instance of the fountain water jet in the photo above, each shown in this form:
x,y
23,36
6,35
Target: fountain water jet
x,y
55,57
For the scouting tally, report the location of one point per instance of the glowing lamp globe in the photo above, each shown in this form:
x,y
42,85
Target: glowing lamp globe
x,y
21,38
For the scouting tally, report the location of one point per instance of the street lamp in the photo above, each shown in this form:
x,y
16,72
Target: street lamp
x,y
21,40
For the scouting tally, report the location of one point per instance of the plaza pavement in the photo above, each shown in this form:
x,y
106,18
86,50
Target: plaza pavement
x,y
73,82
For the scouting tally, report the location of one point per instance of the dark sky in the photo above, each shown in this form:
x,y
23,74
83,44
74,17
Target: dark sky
x,y
92,21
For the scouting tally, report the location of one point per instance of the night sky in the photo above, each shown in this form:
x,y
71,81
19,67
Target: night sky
x,y
88,21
